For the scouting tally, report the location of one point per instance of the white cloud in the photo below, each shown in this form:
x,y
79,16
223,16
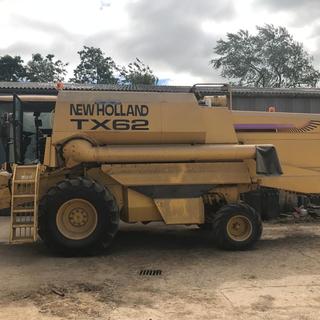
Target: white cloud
x,y
175,37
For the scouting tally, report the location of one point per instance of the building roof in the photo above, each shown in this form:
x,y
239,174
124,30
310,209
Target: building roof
x,y
36,87
50,89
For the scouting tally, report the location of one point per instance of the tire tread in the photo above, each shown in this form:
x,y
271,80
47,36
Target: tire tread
x,y
219,220
82,186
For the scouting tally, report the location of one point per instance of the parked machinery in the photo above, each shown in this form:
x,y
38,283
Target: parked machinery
x,y
151,154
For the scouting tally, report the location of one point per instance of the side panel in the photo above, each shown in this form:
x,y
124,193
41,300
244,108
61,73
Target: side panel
x,y
112,117
105,180
180,211
179,173
139,207
294,179
5,196
296,138
172,192
50,154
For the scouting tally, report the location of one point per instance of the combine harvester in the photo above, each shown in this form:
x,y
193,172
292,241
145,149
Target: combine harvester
x,y
91,157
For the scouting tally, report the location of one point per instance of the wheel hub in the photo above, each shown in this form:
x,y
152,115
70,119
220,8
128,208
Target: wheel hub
x,y
77,219
239,228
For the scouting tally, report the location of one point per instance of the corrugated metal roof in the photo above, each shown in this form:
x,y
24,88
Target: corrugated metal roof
x,y
50,88
27,88
26,85
35,86
287,92
113,87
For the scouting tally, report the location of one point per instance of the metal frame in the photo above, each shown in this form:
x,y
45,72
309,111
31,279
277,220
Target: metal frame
x,y
209,84
17,121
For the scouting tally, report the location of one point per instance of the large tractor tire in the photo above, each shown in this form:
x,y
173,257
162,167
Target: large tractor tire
x,y
78,217
236,227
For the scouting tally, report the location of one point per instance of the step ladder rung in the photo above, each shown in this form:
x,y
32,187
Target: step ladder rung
x,y
22,210
23,195
24,205
26,166
22,240
27,181
23,225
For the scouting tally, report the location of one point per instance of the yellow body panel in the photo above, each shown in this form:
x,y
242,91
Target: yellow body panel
x,y
50,156
295,179
5,197
140,118
297,141
140,208
4,190
181,211
297,145
178,173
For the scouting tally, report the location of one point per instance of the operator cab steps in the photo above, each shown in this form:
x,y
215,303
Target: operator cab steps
x,y
24,203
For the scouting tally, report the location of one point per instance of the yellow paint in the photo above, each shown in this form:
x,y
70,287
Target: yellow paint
x,y
181,211
185,143
5,197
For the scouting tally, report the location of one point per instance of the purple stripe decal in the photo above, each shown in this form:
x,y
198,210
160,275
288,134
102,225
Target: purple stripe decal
x,y
261,126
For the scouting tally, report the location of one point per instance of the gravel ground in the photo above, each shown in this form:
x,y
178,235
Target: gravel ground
x,y
279,279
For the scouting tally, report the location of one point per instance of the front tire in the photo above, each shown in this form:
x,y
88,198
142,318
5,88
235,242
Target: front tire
x,y
236,227
78,217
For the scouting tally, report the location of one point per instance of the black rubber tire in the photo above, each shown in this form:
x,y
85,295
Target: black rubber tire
x,y
99,197
220,221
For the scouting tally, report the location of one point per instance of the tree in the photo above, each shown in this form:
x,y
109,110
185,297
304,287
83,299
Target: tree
x,y
138,73
94,67
11,68
271,58
45,69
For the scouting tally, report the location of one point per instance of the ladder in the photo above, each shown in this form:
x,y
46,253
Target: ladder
x,y
24,203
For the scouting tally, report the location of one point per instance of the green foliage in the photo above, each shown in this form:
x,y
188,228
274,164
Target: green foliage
x,y
271,58
11,68
45,69
94,67
138,73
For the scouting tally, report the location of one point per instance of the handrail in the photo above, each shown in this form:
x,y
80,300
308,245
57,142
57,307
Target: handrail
x,y
214,84
29,98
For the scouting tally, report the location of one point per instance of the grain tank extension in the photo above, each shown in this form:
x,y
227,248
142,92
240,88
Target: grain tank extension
x,y
141,155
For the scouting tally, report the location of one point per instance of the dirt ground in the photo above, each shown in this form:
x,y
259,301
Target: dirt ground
x,y
280,279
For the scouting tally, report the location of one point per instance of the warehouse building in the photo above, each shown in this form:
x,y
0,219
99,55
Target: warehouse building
x,y
301,100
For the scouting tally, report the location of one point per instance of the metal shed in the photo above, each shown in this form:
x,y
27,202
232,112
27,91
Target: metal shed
x,y
302,100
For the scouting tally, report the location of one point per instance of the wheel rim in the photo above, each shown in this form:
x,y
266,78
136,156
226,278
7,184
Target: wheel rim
x,y
239,228
77,219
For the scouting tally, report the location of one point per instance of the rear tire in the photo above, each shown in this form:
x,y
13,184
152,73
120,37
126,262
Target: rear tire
x,y
236,227
78,217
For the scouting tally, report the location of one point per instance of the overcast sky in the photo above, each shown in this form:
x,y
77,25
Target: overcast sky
x,y
175,37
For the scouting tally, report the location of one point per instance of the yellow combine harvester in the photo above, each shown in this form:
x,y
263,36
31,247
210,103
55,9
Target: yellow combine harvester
x,y
95,157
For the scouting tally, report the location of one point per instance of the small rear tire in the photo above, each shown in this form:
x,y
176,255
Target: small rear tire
x,y
236,227
78,217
